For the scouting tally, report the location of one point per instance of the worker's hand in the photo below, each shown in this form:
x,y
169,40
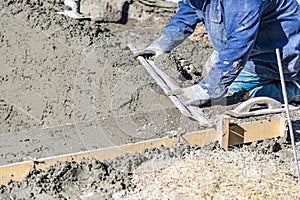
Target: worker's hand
x,y
152,50
191,96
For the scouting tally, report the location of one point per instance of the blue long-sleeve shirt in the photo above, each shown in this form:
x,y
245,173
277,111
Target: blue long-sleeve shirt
x,y
244,33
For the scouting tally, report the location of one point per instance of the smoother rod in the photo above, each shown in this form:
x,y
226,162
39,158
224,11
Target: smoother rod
x,y
286,105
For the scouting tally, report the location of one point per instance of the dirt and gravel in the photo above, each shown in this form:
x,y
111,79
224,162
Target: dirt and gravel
x,y
69,86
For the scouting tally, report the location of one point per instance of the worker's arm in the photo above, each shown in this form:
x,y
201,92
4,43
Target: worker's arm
x,y
179,28
242,20
175,32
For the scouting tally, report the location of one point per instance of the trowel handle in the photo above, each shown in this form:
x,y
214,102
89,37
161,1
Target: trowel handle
x,y
247,105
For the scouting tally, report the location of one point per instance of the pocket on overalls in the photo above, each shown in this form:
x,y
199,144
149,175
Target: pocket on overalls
x,y
216,17
215,12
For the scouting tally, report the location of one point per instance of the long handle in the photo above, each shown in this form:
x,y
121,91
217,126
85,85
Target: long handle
x,y
167,84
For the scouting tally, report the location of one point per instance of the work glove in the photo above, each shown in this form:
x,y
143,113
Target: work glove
x,y
191,96
152,50
73,4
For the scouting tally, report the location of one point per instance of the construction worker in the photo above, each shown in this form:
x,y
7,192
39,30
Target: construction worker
x,y
244,36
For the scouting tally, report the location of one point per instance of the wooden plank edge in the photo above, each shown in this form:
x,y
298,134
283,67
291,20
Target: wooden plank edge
x,y
224,137
18,171
258,130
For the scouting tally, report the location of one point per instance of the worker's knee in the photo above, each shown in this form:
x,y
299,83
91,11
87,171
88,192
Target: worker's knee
x,y
274,91
247,81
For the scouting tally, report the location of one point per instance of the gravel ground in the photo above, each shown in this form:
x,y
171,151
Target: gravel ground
x,y
237,174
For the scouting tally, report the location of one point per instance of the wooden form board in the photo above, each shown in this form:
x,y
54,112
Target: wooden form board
x,y
244,133
231,134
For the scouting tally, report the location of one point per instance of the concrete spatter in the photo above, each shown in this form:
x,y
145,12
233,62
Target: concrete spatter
x,y
69,180
42,16
89,179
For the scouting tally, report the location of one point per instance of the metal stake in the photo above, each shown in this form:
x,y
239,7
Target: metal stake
x,y
286,105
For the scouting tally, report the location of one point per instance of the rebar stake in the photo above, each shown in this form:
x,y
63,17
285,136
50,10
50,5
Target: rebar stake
x,y
286,105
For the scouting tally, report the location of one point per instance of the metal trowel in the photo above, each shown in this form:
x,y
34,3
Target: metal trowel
x,y
167,85
258,106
